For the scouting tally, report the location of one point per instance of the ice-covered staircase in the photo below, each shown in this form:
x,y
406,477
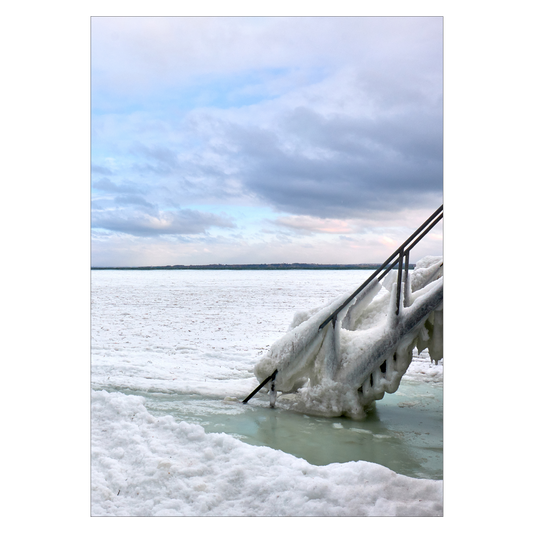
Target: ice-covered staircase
x,y
339,359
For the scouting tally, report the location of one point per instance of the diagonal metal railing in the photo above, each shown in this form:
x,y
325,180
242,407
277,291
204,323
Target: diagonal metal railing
x,y
400,257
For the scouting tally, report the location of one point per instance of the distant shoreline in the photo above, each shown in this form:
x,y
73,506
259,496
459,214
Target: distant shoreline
x,y
271,266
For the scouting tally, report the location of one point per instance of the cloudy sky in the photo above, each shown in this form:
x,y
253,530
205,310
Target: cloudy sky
x,y
262,140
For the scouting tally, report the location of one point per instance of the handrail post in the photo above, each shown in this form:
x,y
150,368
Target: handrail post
x,y
406,291
273,393
399,282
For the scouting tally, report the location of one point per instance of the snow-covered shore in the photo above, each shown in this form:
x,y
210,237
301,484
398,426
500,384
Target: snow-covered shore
x,y
192,333
148,466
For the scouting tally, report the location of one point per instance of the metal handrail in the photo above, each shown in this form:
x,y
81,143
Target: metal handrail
x,y
401,252
261,385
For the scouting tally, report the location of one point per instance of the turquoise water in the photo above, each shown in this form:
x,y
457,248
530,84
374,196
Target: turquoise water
x,y
402,432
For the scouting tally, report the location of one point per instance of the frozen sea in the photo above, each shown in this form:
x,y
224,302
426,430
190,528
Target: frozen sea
x,y
172,356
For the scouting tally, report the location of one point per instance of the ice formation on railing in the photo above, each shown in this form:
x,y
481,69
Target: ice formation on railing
x,y
344,367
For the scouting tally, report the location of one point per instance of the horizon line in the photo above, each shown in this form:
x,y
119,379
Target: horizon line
x,y
235,266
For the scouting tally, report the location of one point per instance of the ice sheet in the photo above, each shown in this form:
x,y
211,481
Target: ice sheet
x,y
197,332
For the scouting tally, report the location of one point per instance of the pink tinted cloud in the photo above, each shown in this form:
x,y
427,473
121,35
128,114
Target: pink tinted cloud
x,y
310,224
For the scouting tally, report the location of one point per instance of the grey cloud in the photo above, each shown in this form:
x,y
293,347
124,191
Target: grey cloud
x,y
363,139
416,135
161,159
176,172
182,222
99,169
133,199
338,166
105,184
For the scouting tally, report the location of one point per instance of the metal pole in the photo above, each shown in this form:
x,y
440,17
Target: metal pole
x,y
262,384
406,291
399,282
273,393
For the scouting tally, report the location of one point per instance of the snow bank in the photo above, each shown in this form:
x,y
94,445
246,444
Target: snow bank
x,y
343,368
148,466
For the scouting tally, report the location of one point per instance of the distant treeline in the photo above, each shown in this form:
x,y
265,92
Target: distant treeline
x,y
270,266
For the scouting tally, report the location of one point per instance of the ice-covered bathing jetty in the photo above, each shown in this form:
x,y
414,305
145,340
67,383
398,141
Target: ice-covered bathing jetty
x,y
339,359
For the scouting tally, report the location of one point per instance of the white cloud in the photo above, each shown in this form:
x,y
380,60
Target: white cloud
x,y
137,52
327,121
308,224
180,222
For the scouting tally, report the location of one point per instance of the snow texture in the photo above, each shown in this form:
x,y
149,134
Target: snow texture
x,y
342,368
148,466
199,333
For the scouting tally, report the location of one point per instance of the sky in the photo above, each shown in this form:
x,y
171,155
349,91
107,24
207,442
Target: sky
x,y
239,140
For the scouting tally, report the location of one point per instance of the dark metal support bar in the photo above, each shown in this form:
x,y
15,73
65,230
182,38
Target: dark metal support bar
x,y
406,278
273,392
392,265
428,229
399,282
263,383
